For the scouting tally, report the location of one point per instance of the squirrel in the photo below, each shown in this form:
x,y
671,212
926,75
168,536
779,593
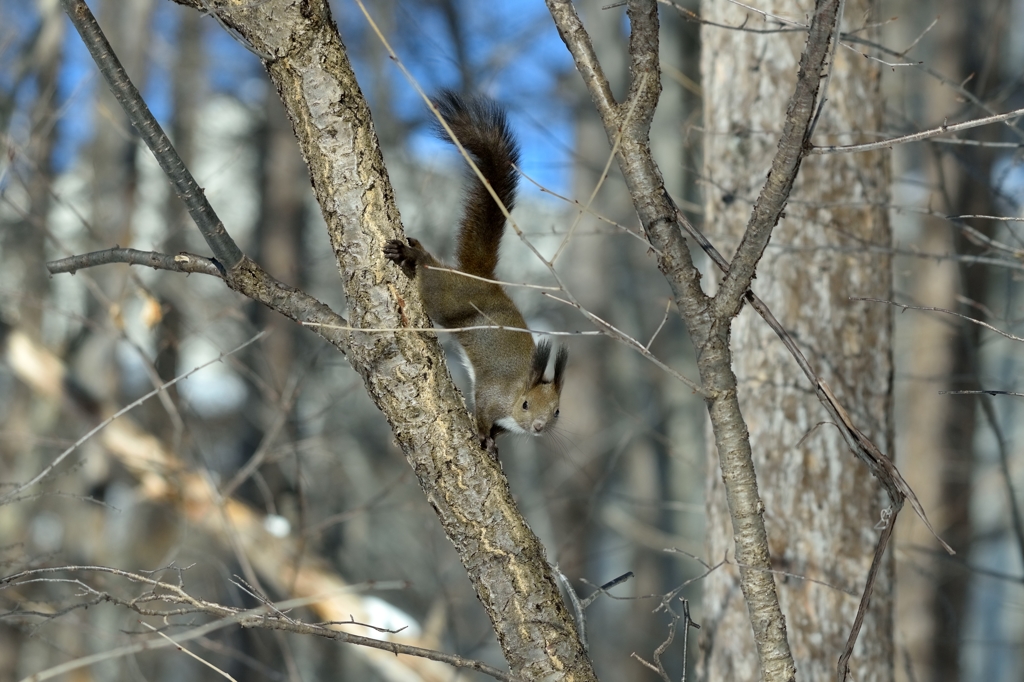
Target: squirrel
x,y
506,368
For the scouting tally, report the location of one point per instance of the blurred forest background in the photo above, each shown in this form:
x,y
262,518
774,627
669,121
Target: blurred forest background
x,y
311,483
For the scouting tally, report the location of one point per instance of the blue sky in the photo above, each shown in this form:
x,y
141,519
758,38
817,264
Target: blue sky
x,y
514,45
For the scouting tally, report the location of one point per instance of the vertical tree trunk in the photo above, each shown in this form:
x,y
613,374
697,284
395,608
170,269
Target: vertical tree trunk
x,y
29,236
968,190
188,91
821,503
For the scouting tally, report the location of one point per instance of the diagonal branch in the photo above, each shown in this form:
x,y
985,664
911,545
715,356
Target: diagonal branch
x,y
239,272
793,146
505,562
217,238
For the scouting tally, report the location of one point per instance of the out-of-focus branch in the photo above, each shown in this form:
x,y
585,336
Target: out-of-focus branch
x,y
12,495
163,478
160,594
506,563
923,135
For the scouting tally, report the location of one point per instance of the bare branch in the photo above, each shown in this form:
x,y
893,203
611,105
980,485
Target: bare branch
x,y
217,238
10,496
926,308
793,146
268,615
240,273
621,336
190,654
923,135
182,262
708,328
869,586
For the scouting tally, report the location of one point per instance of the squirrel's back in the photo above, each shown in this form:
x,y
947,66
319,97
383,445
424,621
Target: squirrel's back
x,y
482,128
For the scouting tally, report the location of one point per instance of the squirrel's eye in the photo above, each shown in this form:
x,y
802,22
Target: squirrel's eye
x,y
556,412
526,405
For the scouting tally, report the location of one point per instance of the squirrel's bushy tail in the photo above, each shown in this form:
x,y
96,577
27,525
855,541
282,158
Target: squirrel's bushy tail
x,y
482,128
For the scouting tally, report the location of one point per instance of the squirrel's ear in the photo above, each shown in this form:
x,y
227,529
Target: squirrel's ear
x,y
561,360
540,362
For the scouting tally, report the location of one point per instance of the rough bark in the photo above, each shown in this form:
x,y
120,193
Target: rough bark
x,y
820,503
405,374
709,320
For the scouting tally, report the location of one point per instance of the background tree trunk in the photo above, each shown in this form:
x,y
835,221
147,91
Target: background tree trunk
x,y
821,503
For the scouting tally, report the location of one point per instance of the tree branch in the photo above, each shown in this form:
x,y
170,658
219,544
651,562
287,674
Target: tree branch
x,y
182,262
240,273
505,561
663,225
793,146
709,327
923,135
188,190
268,615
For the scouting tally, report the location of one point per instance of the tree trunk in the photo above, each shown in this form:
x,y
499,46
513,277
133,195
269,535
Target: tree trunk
x,y
821,503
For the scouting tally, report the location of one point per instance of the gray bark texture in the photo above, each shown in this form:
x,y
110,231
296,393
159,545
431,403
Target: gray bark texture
x,y
709,320
820,503
404,374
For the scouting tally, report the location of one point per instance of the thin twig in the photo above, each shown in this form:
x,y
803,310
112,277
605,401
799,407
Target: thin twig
x,y
623,337
664,319
284,411
603,589
923,135
926,308
693,16
8,497
189,653
491,281
600,182
576,203
687,624
448,330
923,33
843,667
768,15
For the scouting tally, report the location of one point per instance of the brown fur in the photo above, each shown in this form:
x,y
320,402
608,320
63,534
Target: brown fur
x,y
507,367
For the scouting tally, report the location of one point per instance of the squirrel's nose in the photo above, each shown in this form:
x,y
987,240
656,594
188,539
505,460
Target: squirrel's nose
x,y
538,426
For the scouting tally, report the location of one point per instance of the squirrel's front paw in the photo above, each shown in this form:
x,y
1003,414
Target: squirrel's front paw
x,y
396,251
402,254
487,443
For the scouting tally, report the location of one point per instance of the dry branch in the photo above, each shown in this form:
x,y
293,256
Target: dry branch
x,y
308,65
163,478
